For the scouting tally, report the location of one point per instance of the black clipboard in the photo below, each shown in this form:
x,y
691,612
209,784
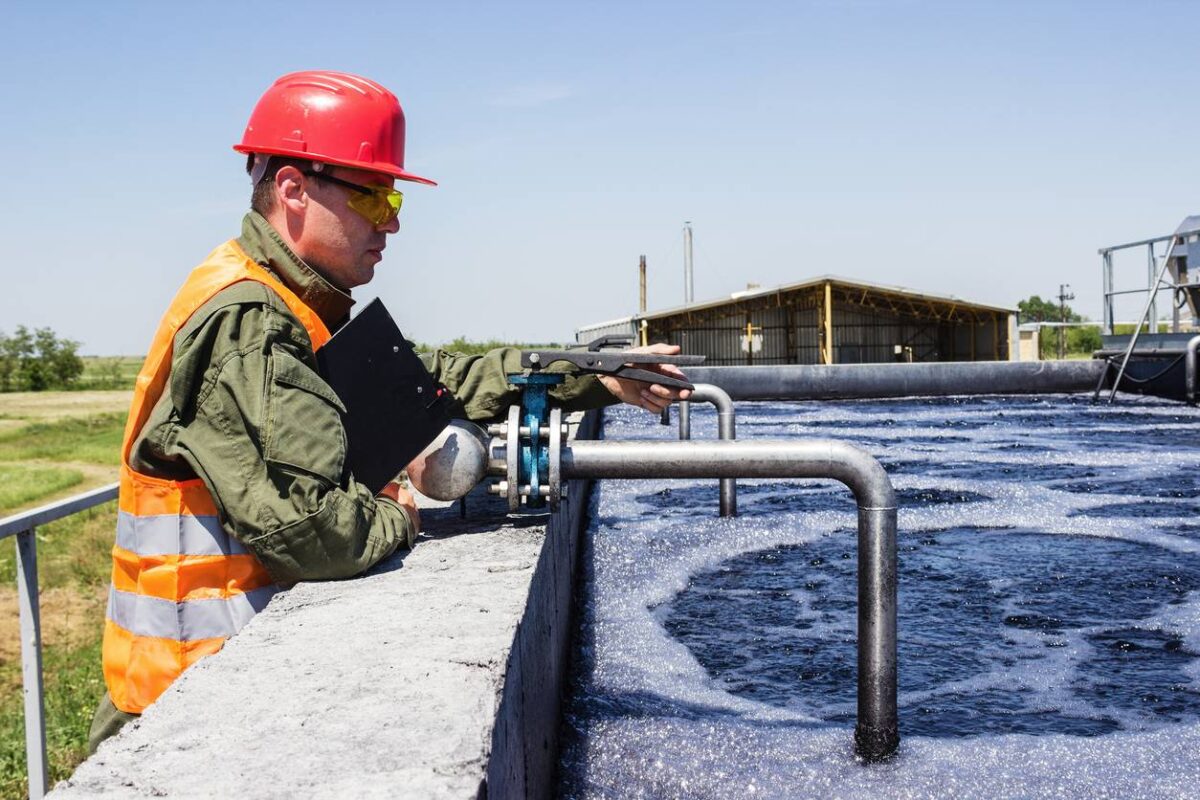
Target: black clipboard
x,y
394,409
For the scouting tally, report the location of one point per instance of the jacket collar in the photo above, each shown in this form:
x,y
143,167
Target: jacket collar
x,y
262,243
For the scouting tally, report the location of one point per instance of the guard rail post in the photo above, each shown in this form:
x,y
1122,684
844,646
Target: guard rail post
x,y
23,527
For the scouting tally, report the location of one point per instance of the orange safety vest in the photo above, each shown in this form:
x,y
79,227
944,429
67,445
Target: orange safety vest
x,y
181,585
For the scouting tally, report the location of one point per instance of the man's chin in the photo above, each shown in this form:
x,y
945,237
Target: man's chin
x,y
366,273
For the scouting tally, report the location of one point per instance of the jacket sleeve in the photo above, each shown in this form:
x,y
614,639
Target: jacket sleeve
x,y
264,432
480,383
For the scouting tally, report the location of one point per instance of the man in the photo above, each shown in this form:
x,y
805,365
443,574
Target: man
x,y
233,474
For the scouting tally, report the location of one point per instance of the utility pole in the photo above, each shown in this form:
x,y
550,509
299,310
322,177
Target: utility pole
x,y
688,288
1063,297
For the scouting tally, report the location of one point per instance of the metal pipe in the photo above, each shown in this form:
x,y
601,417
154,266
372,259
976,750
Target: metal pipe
x,y
726,431
689,295
24,526
1152,288
930,379
1189,369
642,286
877,734
1138,243
18,523
1107,277
36,767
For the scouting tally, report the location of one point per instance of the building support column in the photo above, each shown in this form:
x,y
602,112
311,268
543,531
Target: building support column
x,y
827,325
792,355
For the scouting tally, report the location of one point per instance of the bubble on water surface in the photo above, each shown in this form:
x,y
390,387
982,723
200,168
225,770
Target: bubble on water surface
x,y
1049,628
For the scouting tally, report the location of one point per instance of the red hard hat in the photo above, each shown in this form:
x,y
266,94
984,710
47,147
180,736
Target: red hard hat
x,y
333,117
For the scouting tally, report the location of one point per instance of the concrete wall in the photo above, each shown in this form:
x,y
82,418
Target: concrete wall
x,y
436,675
1030,342
525,738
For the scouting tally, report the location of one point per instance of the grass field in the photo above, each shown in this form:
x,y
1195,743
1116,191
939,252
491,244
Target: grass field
x,y
108,372
53,445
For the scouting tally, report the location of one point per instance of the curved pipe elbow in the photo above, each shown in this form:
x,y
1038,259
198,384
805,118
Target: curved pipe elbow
x,y
711,393
863,473
718,397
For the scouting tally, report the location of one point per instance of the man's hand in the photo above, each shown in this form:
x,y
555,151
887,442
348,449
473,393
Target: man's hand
x,y
395,491
652,397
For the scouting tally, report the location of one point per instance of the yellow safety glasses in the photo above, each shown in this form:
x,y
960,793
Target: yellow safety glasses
x,y
377,204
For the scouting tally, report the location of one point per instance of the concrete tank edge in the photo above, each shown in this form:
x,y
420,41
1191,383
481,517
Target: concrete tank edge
x,y
525,737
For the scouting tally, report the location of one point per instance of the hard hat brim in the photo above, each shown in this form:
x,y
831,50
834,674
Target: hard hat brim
x,y
369,166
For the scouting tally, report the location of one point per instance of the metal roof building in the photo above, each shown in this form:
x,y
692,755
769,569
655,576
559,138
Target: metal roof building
x,y
826,320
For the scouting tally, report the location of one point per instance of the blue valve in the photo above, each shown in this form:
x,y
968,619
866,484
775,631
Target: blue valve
x,y
534,462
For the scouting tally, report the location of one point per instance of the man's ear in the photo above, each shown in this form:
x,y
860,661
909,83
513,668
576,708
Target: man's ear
x,y
291,190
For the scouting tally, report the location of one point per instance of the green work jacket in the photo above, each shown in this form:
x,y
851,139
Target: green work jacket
x,y
294,510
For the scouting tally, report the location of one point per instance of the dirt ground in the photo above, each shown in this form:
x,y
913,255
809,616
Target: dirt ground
x,y
19,408
69,614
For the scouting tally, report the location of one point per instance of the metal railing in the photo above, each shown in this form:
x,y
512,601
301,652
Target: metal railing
x,y
24,526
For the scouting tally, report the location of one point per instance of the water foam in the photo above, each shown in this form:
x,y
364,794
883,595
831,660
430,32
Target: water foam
x,y
651,720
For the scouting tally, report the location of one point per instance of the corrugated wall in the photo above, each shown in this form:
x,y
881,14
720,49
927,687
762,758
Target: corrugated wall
x,y
621,327
787,328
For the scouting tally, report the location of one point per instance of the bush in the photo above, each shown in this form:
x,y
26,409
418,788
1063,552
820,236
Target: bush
x,y
37,360
1084,340
1081,341
470,347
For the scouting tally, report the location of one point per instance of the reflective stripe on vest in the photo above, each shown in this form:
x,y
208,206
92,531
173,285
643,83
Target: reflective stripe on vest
x,y
189,621
181,584
175,534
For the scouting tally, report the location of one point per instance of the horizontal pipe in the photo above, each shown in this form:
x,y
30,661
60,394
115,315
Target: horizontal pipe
x,y
877,734
1141,243
726,430
1146,352
934,379
815,458
19,523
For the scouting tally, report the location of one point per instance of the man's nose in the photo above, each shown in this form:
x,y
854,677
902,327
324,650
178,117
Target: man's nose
x,y
391,226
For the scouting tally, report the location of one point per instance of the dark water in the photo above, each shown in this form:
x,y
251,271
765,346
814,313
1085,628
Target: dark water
x,y
989,612
1049,577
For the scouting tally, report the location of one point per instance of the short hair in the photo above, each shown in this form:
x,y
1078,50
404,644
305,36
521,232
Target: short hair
x,y
262,196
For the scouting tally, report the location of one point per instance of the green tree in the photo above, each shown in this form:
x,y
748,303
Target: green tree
x,y
29,373
1035,309
60,357
1085,339
37,360
8,363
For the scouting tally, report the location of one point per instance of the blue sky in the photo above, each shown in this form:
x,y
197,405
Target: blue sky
x,y
984,150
